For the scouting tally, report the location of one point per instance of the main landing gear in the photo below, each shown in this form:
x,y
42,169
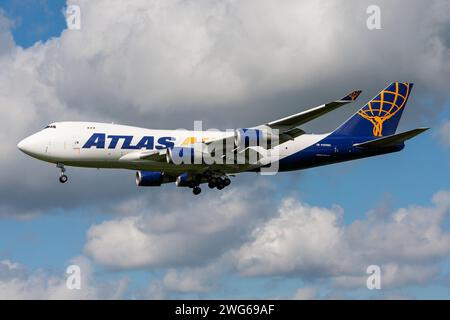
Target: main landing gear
x,y
196,190
219,183
213,182
195,186
62,178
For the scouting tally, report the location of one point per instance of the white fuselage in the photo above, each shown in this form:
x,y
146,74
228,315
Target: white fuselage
x,y
73,144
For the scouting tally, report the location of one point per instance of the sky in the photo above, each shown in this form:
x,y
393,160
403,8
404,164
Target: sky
x,y
163,64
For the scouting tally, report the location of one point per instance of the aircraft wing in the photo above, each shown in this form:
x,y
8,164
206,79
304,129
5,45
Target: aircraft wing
x,y
290,122
289,135
154,155
287,127
287,130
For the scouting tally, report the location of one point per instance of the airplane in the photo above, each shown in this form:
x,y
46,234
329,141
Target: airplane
x,y
192,158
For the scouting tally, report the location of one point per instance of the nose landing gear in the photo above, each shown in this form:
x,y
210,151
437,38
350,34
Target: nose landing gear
x,y
62,178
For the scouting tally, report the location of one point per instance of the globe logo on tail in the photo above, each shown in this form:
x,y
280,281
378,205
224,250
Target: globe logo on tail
x,y
386,105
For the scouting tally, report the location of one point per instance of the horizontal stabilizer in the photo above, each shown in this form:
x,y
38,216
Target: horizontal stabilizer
x,y
391,140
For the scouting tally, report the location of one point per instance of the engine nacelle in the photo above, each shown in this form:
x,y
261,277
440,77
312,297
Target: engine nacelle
x,y
149,178
183,155
244,138
183,180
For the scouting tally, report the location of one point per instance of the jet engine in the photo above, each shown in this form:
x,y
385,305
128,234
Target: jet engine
x,y
184,180
244,138
152,178
184,155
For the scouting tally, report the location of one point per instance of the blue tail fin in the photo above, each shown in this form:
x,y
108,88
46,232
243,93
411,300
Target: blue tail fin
x,y
380,116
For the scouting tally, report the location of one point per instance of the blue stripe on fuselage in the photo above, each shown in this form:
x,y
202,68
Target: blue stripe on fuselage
x,y
330,150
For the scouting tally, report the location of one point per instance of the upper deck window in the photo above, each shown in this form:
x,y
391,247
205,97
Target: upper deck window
x,y
50,126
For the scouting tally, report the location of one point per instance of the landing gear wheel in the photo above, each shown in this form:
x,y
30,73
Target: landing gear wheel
x,y
196,190
62,178
211,185
226,182
220,185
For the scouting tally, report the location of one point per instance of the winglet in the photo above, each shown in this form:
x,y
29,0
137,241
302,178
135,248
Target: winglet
x,y
352,96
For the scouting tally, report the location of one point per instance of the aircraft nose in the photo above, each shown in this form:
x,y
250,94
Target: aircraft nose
x,y
24,145
31,145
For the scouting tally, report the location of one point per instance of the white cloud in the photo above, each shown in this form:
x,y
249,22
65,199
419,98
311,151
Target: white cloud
x,y
16,282
444,134
179,232
306,293
186,282
393,275
301,239
411,234
313,242
6,39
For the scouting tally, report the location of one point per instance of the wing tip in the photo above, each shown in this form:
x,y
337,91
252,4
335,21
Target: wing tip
x,y
421,129
352,96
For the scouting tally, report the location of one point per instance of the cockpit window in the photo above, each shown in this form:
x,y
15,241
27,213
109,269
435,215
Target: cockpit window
x,y
50,126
